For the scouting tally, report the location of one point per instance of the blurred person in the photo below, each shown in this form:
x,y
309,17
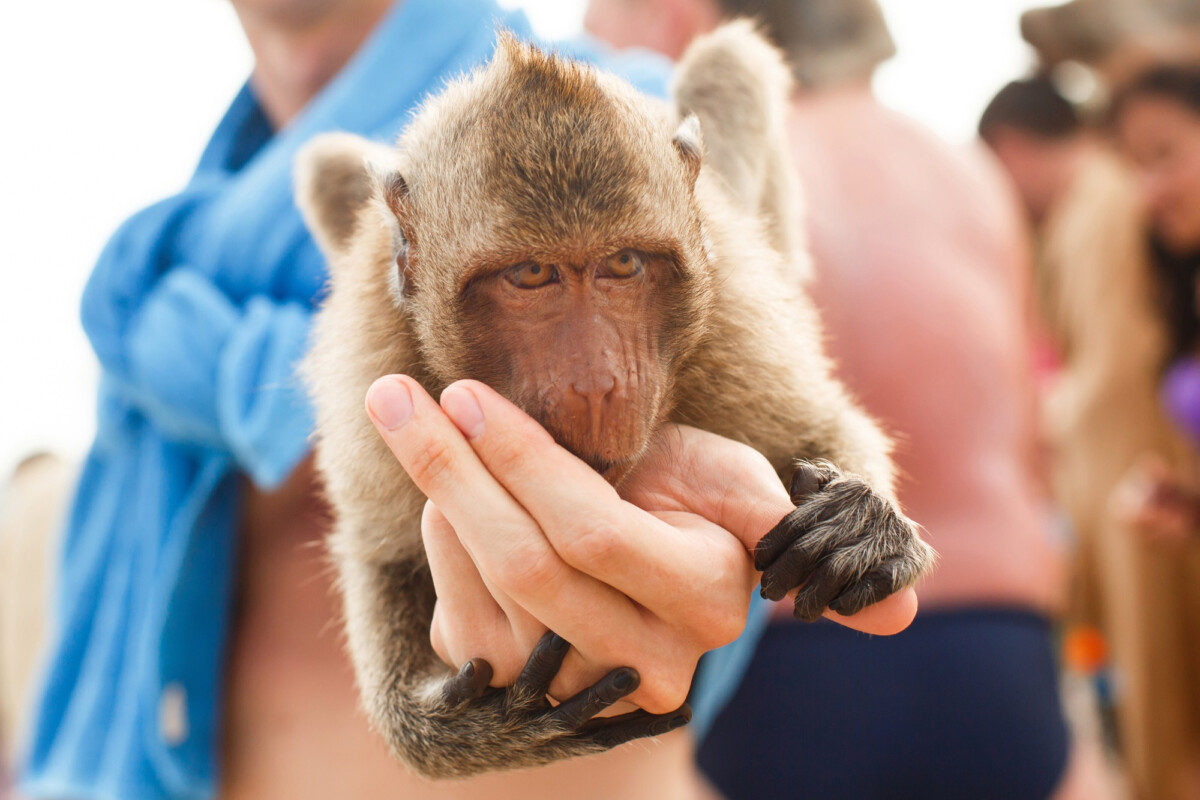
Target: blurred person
x,y
1156,119
1042,142
921,278
1118,455
1039,139
196,651
31,507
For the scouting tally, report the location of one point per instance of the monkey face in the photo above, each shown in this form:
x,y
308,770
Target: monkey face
x,y
550,246
538,230
583,345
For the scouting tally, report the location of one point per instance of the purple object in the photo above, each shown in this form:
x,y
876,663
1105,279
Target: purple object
x,y
1181,396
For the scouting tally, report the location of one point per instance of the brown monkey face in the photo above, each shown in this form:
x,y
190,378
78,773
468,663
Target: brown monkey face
x,y
582,345
552,247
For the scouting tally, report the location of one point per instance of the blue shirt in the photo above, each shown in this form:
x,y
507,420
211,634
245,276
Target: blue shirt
x,y
198,311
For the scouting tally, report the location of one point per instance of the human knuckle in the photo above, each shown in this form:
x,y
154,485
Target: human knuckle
x,y
431,463
509,455
593,544
528,567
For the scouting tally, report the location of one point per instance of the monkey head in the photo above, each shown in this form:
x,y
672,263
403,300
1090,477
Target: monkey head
x,y
537,229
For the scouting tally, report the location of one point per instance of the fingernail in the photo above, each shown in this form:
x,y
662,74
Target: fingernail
x,y
390,402
558,644
463,407
623,680
468,670
679,721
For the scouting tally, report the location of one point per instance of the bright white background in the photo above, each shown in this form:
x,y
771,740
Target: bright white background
x,y
107,104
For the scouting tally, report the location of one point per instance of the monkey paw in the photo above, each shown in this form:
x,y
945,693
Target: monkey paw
x,y
845,546
472,728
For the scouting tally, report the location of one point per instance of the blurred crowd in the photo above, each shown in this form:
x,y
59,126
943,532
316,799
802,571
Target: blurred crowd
x,y
1023,315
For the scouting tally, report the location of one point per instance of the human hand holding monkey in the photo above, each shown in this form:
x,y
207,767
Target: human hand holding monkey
x,y
545,542
710,500
546,231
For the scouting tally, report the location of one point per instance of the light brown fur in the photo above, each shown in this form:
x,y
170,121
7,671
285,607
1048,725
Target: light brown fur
x,y
535,157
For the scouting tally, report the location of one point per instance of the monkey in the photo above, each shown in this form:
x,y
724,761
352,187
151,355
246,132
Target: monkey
x,y
538,199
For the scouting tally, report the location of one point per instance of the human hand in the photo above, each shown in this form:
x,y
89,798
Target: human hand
x,y
1156,505
654,587
512,518
693,471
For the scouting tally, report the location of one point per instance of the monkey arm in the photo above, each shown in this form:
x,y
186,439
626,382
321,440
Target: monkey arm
x,y
760,377
202,368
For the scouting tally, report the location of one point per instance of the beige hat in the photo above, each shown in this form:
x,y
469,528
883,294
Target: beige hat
x,y
1092,31
826,41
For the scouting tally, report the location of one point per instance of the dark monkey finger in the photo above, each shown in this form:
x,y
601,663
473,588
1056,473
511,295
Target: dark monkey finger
x,y
612,687
877,584
788,571
808,479
637,725
778,540
816,595
544,663
469,684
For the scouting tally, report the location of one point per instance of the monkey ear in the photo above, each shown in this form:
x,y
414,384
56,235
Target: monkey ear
x,y
334,183
690,145
390,185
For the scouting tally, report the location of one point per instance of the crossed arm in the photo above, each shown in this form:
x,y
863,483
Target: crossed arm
x,y
522,536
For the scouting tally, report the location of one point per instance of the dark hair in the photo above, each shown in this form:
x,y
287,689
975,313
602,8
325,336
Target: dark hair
x,y
1175,292
1175,273
1033,105
1177,82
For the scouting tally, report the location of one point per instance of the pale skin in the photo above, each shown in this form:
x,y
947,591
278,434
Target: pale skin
x,y
292,724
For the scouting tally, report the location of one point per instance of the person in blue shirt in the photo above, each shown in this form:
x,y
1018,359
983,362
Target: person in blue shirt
x,y
196,651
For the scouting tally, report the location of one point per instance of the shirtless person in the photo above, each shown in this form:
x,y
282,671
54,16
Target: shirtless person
x,y
203,447
922,281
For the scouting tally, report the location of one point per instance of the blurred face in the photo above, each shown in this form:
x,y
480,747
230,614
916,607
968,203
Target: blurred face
x,y
1162,140
1040,168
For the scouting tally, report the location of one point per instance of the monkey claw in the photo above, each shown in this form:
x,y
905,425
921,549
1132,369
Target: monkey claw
x,y
570,723
844,547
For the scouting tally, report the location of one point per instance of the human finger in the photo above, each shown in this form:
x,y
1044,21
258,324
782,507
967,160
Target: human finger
x,y
506,543
469,622
887,617
585,520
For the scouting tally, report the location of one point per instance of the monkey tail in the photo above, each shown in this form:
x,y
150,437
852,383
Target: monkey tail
x,y
738,85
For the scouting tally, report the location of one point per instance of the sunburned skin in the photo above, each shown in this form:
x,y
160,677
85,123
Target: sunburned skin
x,y
926,319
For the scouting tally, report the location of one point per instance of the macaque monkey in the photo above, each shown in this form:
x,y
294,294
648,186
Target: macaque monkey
x,y
545,229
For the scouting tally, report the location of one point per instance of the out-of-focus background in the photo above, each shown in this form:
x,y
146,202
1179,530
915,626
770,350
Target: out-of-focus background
x,y
94,135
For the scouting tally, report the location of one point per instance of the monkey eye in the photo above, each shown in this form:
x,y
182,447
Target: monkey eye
x,y
625,264
532,275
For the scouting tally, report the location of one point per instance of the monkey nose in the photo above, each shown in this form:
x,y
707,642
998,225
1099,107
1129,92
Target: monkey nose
x,y
594,388
592,391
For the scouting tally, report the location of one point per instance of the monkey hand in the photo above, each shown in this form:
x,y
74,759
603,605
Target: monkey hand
x,y
468,727
844,547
